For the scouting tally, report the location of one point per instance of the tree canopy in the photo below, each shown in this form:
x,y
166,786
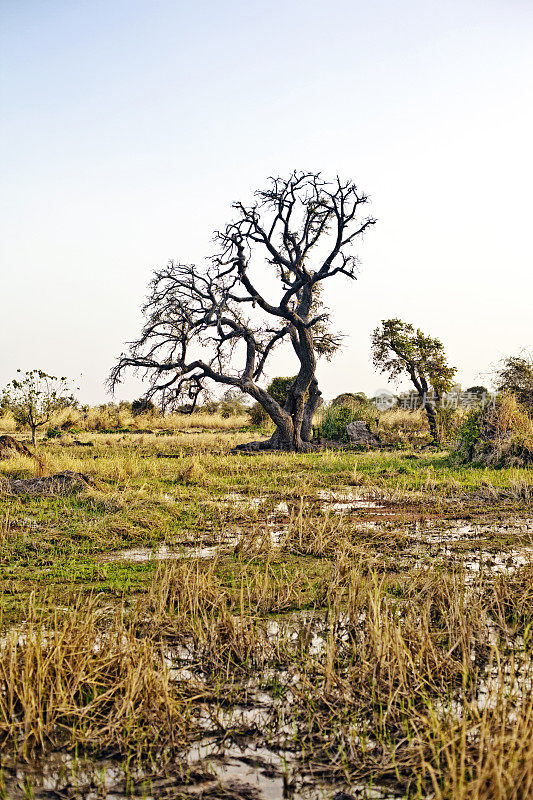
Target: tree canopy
x,y
34,396
399,349
515,376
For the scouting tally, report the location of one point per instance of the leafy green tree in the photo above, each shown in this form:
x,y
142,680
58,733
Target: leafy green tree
x,y
515,376
398,349
33,397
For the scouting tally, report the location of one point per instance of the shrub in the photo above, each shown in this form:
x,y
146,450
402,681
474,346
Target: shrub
x,y
108,417
448,422
209,407
515,376
232,404
8,423
350,399
66,419
141,406
278,388
400,428
338,415
258,415
498,435
334,422
480,391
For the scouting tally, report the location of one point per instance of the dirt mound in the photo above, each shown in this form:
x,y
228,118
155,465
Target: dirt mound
x,y
61,483
10,446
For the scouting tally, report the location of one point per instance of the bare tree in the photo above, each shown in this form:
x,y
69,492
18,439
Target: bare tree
x,y
219,323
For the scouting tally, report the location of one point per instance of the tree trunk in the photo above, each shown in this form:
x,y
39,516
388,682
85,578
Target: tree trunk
x,y
295,420
313,403
301,410
423,392
432,420
33,436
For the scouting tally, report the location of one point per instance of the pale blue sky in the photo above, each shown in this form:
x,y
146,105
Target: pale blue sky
x,y
128,128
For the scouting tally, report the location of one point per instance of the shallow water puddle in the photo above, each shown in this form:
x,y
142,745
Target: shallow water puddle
x,y
437,537
265,537
246,771
161,553
480,552
345,501
327,498
505,562
457,530
272,775
252,766
244,750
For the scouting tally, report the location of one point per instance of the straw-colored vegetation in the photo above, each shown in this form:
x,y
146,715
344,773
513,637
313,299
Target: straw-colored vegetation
x,y
110,419
364,617
500,435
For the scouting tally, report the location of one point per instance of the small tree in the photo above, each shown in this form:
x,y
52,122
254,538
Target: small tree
x,y
515,376
399,349
232,404
35,396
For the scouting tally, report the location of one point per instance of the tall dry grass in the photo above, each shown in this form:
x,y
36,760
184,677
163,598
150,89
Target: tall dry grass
x,y
7,423
110,418
78,678
422,681
512,419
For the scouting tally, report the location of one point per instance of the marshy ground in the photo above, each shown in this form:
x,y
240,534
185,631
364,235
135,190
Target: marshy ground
x,y
203,624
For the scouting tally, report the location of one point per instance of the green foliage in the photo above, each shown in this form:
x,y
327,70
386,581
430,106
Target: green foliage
x,y
398,349
209,407
515,376
349,398
339,414
33,397
278,388
499,434
480,391
334,422
446,424
258,415
470,431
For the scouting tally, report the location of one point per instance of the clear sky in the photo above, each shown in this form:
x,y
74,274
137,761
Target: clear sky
x,y
129,127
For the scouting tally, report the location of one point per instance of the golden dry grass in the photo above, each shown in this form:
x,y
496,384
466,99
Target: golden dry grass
x,y
388,665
